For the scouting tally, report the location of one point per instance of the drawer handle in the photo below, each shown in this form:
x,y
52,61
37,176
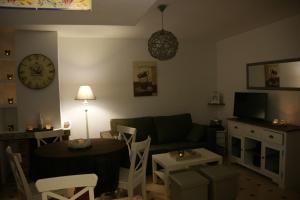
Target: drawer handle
x,y
235,127
252,131
271,136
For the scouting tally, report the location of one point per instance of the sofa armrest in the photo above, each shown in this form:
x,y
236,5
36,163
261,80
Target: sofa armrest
x,y
210,136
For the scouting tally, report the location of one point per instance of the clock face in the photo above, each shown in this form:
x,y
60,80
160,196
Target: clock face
x,y
36,71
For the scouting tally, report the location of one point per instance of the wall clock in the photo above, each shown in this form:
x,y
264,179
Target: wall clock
x,y
36,71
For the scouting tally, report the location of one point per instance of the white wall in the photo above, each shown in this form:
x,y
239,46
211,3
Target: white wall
x,y
276,41
44,101
184,82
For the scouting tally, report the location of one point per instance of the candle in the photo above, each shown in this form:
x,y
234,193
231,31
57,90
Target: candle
x,y
7,52
275,121
29,128
10,100
48,126
9,76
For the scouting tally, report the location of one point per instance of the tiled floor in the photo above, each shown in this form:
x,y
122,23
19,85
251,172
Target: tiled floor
x,y
252,186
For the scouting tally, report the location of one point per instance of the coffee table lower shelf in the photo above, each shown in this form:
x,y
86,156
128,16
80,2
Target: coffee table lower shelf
x,y
169,164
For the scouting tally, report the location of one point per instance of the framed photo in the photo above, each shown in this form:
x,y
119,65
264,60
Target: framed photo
x,y
144,79
48,4
272,75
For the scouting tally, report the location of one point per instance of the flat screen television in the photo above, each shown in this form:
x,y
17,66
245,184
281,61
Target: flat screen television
x,y
250,105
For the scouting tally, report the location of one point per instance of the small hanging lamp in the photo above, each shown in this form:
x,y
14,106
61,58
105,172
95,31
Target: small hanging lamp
x,y
162,44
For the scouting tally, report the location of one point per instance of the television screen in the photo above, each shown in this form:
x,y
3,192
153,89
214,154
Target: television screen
x,y
250,105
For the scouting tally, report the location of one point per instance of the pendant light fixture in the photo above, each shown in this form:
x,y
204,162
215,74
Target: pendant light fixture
x,y
162,44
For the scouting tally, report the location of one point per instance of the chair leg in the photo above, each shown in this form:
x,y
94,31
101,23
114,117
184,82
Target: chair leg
x,y
144,193
130,192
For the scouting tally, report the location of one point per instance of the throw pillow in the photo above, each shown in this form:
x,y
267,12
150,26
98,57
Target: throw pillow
x,y
197,133
172,128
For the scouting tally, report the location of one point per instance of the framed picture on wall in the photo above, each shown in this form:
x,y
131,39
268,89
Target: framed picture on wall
x,y
144,78
48,4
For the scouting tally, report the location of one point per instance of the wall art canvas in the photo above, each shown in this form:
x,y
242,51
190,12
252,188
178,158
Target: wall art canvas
x,y
145,79
272,75
48,4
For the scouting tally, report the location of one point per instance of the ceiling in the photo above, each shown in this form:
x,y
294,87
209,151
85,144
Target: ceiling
x,y
204,19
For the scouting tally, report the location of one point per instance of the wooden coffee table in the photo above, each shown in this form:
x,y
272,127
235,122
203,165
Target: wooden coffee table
x,y
170,164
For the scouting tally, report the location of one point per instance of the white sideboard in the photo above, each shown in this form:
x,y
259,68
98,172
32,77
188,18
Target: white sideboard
x,y
269,150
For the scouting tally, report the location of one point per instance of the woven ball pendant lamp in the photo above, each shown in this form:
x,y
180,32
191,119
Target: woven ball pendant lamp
x,y
162,44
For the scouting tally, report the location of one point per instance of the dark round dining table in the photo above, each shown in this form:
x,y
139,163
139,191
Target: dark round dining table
x,y
102,158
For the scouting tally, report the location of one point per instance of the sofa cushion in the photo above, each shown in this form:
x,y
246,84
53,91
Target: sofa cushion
x,y
172,128
197,133
144,126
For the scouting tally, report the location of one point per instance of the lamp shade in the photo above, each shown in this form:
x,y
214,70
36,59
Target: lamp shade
x,y
85,93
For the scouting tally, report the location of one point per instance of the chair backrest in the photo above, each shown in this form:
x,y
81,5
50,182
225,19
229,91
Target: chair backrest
x,y
22,184
49,186
128,134
138,160
55,134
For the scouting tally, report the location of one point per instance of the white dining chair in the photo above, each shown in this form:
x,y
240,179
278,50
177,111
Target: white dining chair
x,y
128,134
130,178
25,190
49,186
42,135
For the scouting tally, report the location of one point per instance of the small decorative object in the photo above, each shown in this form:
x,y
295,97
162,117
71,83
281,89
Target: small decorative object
x,y
162,44
10,100
279,122
48,126
7,52
67,124
145,79
9,76
84,93
283,122
181,153
36,71
29,128
40,122
275,121
184,154
215,98
79,143
215,123
48,4
10,127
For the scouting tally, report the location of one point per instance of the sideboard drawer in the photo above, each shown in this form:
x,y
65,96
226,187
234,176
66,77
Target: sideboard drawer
x,y
273,137
236,128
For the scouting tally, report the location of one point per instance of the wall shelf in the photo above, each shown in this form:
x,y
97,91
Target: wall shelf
x,y
13,81
216,104
8,105
8,90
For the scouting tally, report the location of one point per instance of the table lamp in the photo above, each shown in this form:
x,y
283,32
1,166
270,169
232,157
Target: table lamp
x,y
84,93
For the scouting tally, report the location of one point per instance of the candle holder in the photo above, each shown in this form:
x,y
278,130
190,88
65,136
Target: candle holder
x,y
7,52
275,121
29,128
10,100
10,127
48,127
10,76
180,154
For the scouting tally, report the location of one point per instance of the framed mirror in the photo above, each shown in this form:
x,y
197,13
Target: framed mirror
x,y
274,75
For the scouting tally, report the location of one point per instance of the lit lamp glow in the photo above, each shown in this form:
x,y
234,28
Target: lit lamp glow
x,y
84,93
